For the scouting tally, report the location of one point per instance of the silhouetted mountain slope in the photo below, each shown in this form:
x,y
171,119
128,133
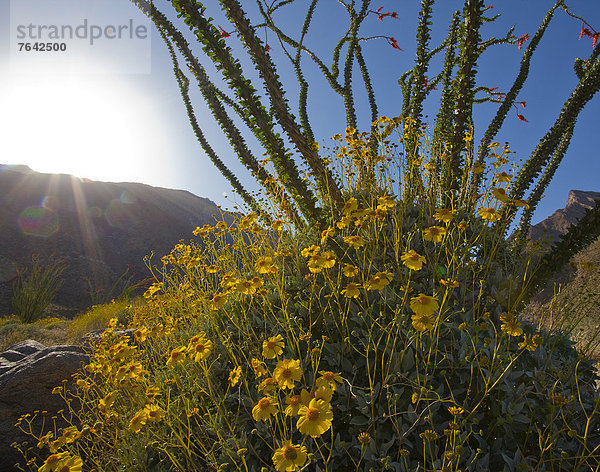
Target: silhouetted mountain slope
x,y
97,228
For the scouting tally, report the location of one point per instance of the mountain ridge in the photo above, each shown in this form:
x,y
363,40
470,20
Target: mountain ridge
x,y
98,229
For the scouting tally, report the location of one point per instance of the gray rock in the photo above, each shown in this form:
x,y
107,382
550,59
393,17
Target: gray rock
x,y
29,371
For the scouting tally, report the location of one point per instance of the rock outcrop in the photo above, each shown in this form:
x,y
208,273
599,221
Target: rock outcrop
x,y
29,371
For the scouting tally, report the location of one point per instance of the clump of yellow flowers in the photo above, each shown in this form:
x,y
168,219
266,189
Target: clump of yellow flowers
x,y
388,339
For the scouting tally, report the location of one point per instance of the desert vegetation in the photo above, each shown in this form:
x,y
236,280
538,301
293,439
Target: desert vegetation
x,y
364,313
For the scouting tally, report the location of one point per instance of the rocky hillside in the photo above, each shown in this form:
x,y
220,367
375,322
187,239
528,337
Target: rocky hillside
x,y
558,223
570,301
97,229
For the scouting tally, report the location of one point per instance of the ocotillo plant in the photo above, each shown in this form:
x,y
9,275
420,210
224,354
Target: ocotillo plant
x,y
464,45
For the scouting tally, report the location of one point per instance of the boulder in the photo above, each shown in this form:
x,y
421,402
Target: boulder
x,y
29,371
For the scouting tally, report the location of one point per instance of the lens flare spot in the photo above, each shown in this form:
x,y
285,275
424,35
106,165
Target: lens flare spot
x,y
38,221
116,214
127,197
50,202
94,212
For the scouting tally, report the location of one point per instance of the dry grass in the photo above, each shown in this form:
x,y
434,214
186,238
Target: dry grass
x,y
48,331
54,331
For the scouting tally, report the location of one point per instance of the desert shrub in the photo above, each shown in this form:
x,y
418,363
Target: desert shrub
x,y
365,314
385,341
36,289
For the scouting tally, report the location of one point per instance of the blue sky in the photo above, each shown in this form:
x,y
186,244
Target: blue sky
x,y
104,116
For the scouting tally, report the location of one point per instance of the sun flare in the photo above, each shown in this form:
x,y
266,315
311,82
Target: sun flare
x,y
91,127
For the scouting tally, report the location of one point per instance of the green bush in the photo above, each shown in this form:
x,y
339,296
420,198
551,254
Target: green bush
x,y
36,289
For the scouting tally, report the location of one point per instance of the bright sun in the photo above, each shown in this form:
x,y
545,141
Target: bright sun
x,y
92,127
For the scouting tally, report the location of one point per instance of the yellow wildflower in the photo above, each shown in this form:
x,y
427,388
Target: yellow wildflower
x,y
104,404
202,232
329,259
423,322
310,251
45,439
344,222
478,168
154,413
246,287
502,177
294,403
412,260
351,291
265,265
138,420
199,347
354,241
429,435
177,356
329,379
53,461
500,194
379,281
315,418
264,409
234,376
287,372
259,368
267,386
386,201
434,234
277,225
71,434
316,263
364,438
520,203
152,392
257,282
289,457
218,301
424,305
450,283
510,326
273,347
324,392
489,214
443,215
527,343
350,206
326,234
349,270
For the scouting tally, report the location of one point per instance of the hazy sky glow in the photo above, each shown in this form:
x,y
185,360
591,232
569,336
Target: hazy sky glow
x,y
97,113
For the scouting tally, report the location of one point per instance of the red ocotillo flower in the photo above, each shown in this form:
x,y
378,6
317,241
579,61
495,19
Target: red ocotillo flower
x,y
522,39
224,34
394,43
